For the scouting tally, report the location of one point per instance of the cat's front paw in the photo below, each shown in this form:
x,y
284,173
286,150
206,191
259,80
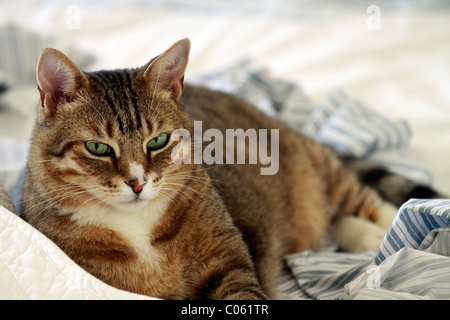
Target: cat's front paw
x,y
355,234
386,215
369,241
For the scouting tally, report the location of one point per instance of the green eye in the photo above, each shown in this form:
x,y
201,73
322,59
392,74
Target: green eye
x,y
98,149
159,142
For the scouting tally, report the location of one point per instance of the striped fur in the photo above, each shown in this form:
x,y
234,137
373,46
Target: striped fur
x,y
188,231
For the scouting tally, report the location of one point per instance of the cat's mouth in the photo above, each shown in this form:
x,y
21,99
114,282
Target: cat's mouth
x,y
135,200
132,204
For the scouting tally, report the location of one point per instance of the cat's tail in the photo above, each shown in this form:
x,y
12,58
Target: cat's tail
x,y
390,186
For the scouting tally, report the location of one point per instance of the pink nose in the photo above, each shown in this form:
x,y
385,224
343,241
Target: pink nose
x,y
135,185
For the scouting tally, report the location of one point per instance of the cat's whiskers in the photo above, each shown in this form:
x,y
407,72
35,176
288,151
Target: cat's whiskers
x,y
55,204
205,181
64,193
181,192
101,201
104,121
70,187
195,179
187,172
181,186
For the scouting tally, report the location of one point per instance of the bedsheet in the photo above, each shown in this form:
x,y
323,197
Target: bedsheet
x,y
413,262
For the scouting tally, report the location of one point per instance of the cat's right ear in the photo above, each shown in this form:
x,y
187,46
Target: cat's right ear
x,y
59,80
166,72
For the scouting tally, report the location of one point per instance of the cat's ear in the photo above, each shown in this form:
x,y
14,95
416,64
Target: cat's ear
x,y
166,72
59,80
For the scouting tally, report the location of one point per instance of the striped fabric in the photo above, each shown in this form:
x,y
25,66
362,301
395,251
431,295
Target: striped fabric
x,y
418,225
276,97
355,129
413,262
322,275
19,52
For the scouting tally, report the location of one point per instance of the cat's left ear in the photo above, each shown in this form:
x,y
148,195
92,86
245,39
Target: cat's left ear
x,y
166,72
59,80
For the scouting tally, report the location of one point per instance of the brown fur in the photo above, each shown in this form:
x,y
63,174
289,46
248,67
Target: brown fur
x,y
226,228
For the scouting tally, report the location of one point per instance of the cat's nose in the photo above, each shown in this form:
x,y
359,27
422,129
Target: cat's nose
x,y
136,185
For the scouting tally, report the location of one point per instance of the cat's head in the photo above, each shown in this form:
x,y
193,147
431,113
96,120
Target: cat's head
x,y
104,137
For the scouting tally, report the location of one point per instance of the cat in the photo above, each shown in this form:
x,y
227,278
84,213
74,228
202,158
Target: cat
x,y
103,185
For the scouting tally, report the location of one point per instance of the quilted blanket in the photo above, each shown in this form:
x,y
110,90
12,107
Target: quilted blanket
x,y
33,267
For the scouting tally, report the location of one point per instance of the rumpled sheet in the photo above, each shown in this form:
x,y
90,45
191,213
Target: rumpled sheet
x,y
418,268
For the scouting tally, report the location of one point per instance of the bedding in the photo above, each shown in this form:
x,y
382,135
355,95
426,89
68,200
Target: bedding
x,y
412,263
378,96
33,267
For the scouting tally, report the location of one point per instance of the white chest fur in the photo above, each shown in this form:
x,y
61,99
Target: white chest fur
x,y
134,226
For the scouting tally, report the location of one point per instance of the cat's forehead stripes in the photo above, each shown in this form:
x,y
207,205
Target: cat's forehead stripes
x,y
120,96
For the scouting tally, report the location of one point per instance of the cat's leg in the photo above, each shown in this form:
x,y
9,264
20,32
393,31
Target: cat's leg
x,y
365,229
221,268
360,217
223,273
309,213
387,213
356,234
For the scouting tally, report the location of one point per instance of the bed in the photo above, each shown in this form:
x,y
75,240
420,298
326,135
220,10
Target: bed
x,y
369,79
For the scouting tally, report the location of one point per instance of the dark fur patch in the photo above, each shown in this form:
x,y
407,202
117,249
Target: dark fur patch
x,y
422,192
374,175
213,281
3,87
60,150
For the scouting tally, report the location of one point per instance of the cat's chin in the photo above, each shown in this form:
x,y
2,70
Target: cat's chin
x,y
132,205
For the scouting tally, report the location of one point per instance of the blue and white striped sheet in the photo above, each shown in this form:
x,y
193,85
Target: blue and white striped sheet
x,y
418,225
355,129
321,276
413,262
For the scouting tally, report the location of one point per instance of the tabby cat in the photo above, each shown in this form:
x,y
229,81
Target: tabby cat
x,y
103,185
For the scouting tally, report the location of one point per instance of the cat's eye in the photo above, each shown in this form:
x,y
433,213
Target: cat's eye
x,y
158,142
98,149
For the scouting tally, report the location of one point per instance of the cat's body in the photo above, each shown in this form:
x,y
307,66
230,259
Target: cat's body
x,y
137,221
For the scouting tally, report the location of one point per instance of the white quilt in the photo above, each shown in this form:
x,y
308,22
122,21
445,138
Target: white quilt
x,y
32,267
